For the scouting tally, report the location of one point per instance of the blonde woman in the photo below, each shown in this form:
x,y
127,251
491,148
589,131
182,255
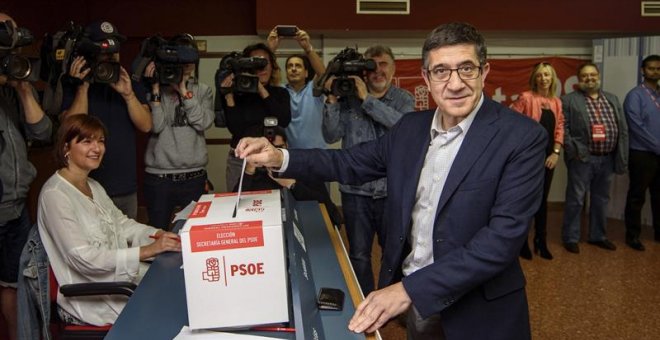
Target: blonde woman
x,y
542,104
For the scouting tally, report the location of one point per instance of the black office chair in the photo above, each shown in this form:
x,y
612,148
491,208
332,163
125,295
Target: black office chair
x,y
63,331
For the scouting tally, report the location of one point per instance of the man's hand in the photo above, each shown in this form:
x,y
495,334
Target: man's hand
x,y
77,69
379,307
303,40
273,40
123,85
259,152
360,87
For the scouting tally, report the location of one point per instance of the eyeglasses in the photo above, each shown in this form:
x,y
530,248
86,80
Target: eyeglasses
x,y
465,72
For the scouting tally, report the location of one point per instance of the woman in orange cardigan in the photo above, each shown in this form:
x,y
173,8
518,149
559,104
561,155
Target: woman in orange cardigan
x,y
543,105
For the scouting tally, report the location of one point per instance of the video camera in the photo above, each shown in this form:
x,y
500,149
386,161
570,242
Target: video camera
x,y
347,63
170,56
98,57
12,64
243,68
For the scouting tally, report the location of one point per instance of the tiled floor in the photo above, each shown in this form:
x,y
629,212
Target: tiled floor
x,y
597,294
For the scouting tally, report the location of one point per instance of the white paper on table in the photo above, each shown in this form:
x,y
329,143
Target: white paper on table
x,y
187,334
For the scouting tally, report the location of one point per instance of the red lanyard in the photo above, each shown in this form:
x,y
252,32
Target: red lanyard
x,y
653,98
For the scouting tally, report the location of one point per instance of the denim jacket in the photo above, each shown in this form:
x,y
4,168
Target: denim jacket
x,y
355,121
33,290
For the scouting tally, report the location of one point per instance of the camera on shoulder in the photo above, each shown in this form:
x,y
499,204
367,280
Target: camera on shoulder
x,y
345,64
13,64
99,56
170,57
244,70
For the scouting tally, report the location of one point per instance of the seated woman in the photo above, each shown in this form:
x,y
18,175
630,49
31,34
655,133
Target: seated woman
x,y
87,238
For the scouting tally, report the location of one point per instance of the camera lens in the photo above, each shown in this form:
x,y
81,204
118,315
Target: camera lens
x,y
244,83
17,67
105,72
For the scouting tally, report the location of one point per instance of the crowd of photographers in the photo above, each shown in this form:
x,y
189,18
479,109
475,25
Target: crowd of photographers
x,y
351,100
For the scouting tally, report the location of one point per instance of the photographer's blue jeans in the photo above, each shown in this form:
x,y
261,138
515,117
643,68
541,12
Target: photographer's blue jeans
x,y
163,195
363,217
593,177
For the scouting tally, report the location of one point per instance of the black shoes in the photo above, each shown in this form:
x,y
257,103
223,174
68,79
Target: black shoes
x,y
605,244
541,248
525,252
635,244
572,247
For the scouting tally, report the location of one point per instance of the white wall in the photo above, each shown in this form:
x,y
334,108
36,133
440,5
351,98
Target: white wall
x,y
500,46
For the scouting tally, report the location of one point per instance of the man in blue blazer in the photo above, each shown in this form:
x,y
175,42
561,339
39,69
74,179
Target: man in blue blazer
x,y
464,182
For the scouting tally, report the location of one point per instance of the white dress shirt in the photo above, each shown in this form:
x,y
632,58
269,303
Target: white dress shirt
x,y
89,240
439,158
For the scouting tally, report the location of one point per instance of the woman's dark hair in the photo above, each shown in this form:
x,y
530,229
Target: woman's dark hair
x,y
75,128
275,69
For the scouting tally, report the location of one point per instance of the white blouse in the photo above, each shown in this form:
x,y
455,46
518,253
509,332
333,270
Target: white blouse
x,y
89,240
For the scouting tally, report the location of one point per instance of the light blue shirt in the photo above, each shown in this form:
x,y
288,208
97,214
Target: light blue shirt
x,y
642,108
304,130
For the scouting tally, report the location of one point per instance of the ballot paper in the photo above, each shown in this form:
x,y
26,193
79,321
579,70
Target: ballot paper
x,y
240,187
188,334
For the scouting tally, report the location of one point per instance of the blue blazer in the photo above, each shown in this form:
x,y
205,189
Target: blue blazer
x,y
492,191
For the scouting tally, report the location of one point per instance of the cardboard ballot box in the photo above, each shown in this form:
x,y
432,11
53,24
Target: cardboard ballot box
x,y
234,267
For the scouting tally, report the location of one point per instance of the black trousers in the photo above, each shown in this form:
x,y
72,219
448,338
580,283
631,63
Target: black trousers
x,y
644,171
541,216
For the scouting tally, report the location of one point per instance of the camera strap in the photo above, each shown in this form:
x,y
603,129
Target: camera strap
x,y
180,115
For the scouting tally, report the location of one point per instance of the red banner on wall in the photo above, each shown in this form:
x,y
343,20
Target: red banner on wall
x,y
505,81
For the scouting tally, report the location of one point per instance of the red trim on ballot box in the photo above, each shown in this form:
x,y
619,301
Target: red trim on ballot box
x,y
220,236
201,209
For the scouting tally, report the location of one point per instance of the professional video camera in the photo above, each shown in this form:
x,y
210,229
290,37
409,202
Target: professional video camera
x,y
98,56
170,56
347,63
12,64
243,68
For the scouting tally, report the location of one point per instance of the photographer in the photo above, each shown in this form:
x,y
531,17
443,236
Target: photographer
x,y
304,131
246,110
121,106
366,115
20,117
176,154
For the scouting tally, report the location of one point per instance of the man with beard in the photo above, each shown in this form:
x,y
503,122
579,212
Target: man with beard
x,y
366,116
596,146
642,107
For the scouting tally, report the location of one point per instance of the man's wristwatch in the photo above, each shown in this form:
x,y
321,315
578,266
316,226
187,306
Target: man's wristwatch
x,y
155,97
556,151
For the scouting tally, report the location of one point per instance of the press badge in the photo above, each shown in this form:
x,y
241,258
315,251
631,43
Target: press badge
x,y
598,132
